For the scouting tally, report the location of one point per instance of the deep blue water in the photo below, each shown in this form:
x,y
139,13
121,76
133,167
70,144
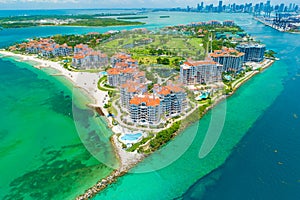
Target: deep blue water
x,y
265,165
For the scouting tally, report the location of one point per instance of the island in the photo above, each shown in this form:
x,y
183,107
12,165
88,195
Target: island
x,y
151,84
135,17
164,16
66,20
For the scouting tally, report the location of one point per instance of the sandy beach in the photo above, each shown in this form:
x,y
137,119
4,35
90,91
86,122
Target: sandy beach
x,y
84,80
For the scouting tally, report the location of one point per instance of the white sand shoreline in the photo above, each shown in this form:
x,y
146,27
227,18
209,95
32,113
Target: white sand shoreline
x,y
83,80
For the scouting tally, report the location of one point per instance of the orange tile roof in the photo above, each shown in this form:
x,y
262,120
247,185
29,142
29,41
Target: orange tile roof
x,y
140,74
129,70
121,56
121,64
175,88
170,88
164,91
78,56
225,52
149,100
80,46
113,71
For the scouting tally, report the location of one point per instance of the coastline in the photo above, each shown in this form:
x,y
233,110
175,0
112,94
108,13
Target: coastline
x,y
101,185
74,26
126,159
270,25
85,81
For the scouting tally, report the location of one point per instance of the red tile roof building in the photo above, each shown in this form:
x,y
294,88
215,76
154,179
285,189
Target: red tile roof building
x,y
231,59
168,101
129,89
122,60
145,109
86,58
173,98
120,75
47,48
200,72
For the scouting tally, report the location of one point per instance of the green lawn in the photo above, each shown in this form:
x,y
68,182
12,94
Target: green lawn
x,y
177,45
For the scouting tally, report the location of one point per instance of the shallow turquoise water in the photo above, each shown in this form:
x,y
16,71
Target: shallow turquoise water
x,y
41,140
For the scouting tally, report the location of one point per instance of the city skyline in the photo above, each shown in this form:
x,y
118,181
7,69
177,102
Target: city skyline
x,y
90,4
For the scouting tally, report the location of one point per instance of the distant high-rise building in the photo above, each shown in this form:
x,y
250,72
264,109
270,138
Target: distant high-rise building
x,y
281,7
290,7
220,7
188,8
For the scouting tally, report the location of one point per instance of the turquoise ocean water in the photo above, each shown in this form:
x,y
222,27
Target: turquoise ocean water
x,y
42,156
41,150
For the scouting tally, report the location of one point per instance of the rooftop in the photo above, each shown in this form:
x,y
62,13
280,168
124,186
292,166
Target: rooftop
x,y
149,100
226,52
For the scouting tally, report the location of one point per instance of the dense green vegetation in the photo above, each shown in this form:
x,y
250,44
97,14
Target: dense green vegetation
x,y
164,136
160,138
105,87
73,40
102,22
62,20
147,47
270,54
137,145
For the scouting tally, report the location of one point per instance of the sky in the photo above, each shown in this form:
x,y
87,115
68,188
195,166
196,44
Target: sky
x,y
62,4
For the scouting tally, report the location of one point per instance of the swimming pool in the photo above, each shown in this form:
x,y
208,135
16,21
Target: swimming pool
x,y
203,95
131,137
103,73
228,77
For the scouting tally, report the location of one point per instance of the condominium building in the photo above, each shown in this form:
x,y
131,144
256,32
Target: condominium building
x,y
129,89
145,109
173,99
117,77
167,101
200,72
48,48
231,59
81,49
254,52
122,60
87,58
